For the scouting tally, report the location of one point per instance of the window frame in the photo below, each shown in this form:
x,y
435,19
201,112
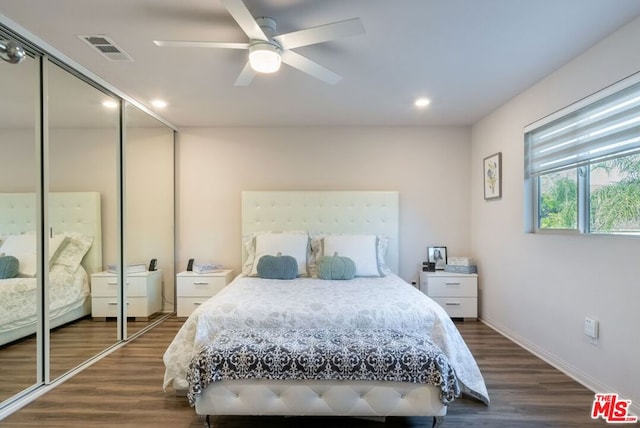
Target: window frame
x,y
532,191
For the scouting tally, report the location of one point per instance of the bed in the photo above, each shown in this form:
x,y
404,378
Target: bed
x,y
75,252
236,353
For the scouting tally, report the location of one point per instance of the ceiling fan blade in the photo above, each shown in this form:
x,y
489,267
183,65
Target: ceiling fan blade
x,y
196,44
243,17
246,76
322,33
312,68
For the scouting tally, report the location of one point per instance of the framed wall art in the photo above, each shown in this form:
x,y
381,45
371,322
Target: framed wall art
x,y
492,169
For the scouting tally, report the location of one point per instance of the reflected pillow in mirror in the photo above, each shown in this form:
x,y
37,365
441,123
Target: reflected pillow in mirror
x,y
77,247
9,266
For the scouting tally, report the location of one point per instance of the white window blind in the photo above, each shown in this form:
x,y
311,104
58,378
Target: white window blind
x,y
604,127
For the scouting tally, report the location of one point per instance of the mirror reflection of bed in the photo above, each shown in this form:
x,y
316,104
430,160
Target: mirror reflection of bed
x,y
75,247
83,156
75,253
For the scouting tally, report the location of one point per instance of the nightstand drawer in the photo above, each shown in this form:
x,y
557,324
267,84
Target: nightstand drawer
x,y
108,307
193,289
138,285
200,285
104,286
452,286
186,305
459,307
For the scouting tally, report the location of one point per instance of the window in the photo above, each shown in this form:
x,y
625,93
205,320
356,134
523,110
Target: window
x,y
582,165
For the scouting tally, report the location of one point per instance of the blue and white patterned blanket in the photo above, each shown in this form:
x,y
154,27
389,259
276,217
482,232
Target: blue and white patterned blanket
x,y
322,354
365,304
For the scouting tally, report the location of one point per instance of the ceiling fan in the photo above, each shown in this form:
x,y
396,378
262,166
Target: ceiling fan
x,y
268,49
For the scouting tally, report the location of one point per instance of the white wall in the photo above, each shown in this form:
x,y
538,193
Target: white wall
x,y
429,167
149,203
81,160
86,160
537,289
18,172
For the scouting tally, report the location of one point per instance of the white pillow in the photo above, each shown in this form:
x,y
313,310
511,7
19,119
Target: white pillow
x,y
359,248
317,252
16,244
73,252
27,264
56,245
23,247
288,244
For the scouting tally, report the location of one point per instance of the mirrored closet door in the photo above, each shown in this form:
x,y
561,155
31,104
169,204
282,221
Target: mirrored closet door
x,y
19,176
148,217
83,178
87,188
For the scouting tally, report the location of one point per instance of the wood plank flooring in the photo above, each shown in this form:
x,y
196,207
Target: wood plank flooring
x,y
71,345
125,390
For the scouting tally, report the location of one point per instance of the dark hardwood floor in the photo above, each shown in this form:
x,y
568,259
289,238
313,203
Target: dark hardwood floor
x,y
125,390
71,344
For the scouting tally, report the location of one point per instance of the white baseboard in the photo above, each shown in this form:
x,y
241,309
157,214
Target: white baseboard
x,y
565,367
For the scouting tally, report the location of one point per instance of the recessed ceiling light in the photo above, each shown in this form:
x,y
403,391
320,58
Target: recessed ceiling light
x,y
110,104
422,102
159,103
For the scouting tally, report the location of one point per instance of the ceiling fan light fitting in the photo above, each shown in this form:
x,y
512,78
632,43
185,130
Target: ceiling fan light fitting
x,y
265,57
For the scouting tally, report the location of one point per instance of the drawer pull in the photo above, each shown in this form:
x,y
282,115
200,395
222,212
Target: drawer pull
x,y
114,303
196,303
200,283
451,283
112,283
452,304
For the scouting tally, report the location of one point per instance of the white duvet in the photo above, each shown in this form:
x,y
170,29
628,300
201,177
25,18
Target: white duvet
x,y
360,303
18,297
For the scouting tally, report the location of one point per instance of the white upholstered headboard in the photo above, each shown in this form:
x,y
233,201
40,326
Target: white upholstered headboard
x,y
357,212
68,212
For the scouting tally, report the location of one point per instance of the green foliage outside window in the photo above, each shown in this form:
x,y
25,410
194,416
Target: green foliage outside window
x,y
615,208
614,199
558,201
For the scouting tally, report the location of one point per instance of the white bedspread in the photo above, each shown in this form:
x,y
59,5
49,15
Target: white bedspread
x,y
361,303
68,291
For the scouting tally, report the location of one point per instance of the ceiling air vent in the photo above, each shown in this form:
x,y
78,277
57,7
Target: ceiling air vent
x,y
106,47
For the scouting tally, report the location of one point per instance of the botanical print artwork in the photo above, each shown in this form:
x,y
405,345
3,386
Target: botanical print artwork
x,y
493,176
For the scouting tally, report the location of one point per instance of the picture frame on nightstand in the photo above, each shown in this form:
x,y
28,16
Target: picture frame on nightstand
x,y
437,256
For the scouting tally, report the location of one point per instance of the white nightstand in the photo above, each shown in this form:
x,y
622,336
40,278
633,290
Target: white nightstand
x,y
195,288
457,293
143,291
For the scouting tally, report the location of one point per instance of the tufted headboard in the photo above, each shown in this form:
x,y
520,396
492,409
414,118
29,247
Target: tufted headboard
x,y
68,212
357,212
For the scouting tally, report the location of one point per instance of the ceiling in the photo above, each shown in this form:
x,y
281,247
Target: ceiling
x,y
467,56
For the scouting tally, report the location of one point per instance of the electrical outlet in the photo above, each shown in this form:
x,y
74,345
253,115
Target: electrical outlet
x,y
591,327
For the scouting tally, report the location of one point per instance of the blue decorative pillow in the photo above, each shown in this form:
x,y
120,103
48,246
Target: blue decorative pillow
x,y
277,267
336,267
9,267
